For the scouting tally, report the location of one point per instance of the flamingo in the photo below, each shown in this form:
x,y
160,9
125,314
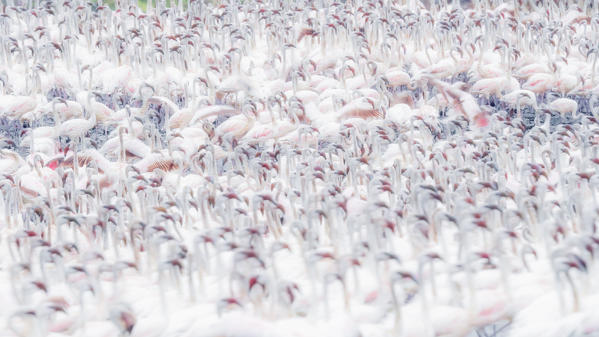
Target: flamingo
x,y
339,169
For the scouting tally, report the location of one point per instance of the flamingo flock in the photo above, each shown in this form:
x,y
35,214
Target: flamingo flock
x,y
355,168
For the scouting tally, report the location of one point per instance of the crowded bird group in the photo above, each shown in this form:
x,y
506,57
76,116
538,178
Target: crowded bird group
x,y
357,168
